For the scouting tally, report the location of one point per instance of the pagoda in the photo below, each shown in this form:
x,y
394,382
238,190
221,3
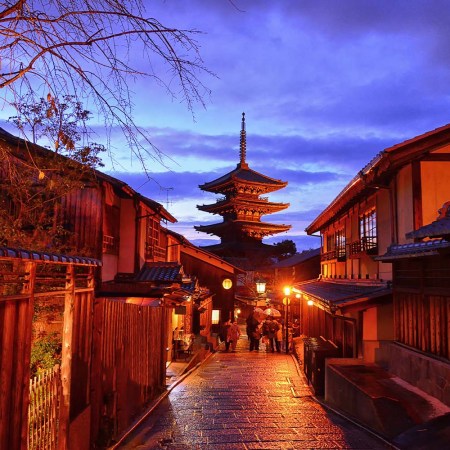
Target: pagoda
x,y
241,232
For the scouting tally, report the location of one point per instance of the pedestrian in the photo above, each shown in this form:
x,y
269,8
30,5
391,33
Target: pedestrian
x,y
270,328
233,335
253,332
279,337
296,328
224,334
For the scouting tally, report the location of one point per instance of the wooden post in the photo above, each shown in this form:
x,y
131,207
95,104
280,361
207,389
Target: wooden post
x,y
24,346
66,359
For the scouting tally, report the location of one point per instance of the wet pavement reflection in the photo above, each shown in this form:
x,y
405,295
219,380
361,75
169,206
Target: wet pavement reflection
x,y
246,400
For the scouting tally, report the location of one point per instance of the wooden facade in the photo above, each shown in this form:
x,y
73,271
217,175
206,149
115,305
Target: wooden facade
x,y
398,191
104,382
422,303
128,367
24,277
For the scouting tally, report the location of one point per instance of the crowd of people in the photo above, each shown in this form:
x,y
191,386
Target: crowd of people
x,y
268,334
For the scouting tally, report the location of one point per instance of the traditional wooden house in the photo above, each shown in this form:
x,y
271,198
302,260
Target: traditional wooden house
x,y
352,303
242,231
421,282
119,358
216,302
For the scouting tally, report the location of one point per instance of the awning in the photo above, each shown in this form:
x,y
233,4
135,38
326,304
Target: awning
x,y
345,295
7,252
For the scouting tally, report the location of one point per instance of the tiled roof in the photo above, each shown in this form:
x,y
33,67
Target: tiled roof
x,y
160,272
243,173
386,161
341,294
415,250
438,228
298,258
47,257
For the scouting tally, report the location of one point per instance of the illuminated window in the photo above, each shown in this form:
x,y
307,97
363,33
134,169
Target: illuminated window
x,y
340,243
368,230
215,316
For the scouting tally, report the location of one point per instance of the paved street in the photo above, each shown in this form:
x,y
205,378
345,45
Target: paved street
x,y
246,400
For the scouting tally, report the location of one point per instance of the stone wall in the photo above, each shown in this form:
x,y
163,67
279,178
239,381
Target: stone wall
x,y
429,374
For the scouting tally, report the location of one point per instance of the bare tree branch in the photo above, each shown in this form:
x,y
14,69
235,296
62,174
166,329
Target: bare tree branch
x,y
86,47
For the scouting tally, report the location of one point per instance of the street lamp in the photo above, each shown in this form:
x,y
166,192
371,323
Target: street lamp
x,y
260,286
286,301
260,289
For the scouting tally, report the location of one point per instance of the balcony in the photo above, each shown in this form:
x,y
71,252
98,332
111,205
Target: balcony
x,y
338,254
367,245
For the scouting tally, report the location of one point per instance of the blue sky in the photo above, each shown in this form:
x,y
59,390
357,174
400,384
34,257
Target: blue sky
x,y
325,85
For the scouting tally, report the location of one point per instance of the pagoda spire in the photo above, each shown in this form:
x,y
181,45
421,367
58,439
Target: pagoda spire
x,y
243,144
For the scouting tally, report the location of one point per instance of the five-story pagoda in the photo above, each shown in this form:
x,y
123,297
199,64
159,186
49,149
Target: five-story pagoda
x,y
241,232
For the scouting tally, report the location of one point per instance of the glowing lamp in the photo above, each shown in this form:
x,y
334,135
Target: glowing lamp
x,y
227,283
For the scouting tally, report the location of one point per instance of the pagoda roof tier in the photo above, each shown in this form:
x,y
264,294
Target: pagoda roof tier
x,y
226,205
243,178
254,230
238,253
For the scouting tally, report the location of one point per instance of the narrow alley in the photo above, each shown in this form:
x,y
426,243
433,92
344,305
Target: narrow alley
x,y
246,400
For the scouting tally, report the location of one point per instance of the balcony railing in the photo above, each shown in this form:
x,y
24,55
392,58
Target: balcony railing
x,y
327,256
338,254
153,251
366,245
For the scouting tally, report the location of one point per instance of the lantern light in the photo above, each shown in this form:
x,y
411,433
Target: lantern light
x,y
260,286
287,290
227,283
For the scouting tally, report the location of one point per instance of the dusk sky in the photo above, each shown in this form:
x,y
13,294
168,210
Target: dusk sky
x,y
325,86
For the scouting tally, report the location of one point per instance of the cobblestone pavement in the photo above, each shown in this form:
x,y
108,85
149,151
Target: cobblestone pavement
x,y
246,400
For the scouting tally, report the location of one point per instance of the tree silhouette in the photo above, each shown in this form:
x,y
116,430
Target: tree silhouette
x,y
85,48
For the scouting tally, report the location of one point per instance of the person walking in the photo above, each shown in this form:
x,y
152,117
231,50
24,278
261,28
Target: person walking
x,y
253,332
225,334
278,336
233,335
270,328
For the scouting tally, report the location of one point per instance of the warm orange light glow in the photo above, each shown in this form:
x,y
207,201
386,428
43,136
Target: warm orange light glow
x,y
227,283
287,290
310,303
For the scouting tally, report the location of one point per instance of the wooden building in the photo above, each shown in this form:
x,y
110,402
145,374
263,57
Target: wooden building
x,y
352,303
141,289
241,232
421,281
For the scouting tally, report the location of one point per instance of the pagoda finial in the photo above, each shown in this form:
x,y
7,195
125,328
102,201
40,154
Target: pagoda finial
x,y
243,146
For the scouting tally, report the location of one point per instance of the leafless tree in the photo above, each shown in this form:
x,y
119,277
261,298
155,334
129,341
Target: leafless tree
x,y
94,49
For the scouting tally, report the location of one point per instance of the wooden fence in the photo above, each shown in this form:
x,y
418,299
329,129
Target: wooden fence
x,y
24,276
43,411
128,366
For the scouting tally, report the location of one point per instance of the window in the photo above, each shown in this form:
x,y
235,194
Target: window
x,y
368,230
340,243
330,242
152,237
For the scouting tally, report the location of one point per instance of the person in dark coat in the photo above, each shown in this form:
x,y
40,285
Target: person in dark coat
x,y
225,334
253,332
